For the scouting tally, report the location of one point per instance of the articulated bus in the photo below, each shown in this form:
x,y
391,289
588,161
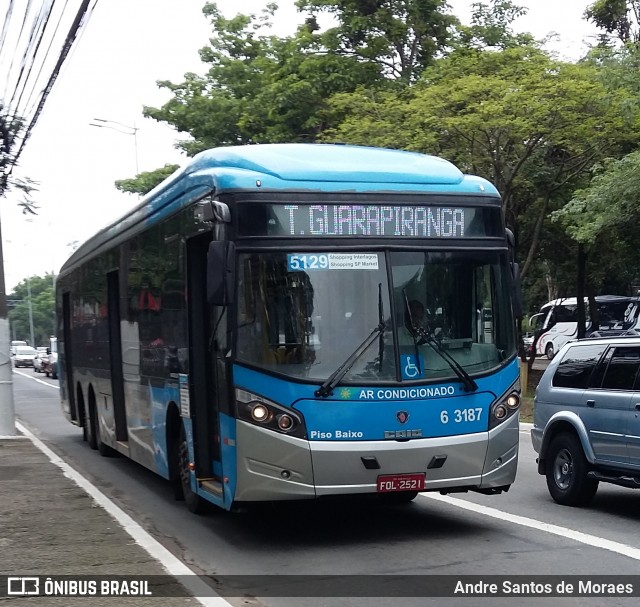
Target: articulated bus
x,y
295,321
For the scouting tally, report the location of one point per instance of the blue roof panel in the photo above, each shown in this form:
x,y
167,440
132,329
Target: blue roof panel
x,y
316,166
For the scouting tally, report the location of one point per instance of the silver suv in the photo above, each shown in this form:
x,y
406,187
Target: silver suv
x,y
586,420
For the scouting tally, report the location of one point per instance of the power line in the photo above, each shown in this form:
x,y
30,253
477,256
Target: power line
x,y
39,28
80,19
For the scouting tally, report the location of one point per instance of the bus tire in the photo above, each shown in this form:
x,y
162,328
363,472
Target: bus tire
x,y
90,426
549,351
103,448
566,472
193,501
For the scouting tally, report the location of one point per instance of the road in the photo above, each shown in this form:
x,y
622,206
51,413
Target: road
x,y
521,532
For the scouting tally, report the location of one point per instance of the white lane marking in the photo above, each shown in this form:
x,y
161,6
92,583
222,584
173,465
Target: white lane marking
x,y
44,383
565,532
155,549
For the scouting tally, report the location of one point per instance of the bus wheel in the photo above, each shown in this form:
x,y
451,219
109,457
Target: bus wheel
x,y
103,449
549,351
566,471
193,501
401,497
90,426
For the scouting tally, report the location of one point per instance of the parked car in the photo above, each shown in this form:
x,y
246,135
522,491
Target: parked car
x,y
14,344
50,362
39,360
586,420
527,340
24,356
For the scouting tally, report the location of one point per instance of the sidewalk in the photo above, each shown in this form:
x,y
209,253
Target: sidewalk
x,y
51,526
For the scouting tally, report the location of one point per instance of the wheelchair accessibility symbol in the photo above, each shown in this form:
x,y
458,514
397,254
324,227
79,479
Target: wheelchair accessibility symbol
x,y
411,368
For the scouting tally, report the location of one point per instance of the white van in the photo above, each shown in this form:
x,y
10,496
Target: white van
x,y
14,344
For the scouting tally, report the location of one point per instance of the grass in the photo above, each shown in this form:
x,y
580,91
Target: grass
x,y
526,408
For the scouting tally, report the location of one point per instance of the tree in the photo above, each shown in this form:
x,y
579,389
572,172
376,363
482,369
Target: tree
x,y
42,309
620,18
491,27
532,125
260,88
401,37
145,182
608,212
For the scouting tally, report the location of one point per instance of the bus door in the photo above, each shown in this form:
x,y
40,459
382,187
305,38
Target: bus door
x,y
68,359
204,405
115,356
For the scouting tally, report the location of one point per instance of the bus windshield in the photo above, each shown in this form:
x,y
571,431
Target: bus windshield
x,y
304,314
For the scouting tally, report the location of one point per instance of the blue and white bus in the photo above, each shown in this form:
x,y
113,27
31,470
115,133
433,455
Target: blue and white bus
x,y
295,321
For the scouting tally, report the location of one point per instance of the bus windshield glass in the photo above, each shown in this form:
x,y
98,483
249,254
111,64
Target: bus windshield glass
x,y
303,314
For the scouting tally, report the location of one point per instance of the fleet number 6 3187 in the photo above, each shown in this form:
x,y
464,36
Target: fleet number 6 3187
x,y
462,415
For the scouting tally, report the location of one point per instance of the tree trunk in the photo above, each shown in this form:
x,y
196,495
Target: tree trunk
x,y
580,291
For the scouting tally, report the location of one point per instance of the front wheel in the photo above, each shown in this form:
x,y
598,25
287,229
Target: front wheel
x,y
566,472
193,501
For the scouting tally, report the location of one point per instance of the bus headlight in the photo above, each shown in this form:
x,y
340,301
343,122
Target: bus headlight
x,y
263,412
260,412
504,408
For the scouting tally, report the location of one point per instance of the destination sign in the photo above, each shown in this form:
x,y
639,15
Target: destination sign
x,y
368,220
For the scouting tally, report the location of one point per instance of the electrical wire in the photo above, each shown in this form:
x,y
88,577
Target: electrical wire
x,y
27,66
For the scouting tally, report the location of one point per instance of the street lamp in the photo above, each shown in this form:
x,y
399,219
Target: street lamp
x,y
120,127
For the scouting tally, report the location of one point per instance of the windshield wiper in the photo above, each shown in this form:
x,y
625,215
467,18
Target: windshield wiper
x,y
426,338
334,379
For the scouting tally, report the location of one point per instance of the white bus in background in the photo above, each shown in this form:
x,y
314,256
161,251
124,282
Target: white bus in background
x,y
557,321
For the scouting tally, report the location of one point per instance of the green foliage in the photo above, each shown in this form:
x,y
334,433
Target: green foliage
x,y
405,74
617,17
146,181
491,27
42,309
517,117
400,37
609,206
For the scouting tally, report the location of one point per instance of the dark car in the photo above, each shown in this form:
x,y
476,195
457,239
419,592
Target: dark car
x,y
586,422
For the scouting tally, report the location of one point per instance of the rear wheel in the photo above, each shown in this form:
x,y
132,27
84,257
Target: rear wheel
x,y
566,472
549,351
90,427
193,501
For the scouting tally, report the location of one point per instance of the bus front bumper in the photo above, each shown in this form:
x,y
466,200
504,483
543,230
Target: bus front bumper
x,y
272,466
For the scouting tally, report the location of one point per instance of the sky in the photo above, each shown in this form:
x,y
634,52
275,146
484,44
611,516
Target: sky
x,y
111,74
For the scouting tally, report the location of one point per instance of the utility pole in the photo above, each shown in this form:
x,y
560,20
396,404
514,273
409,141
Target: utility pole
x,y
7,410
33,341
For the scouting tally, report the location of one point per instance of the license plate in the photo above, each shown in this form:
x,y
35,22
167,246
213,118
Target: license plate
x,y
401,482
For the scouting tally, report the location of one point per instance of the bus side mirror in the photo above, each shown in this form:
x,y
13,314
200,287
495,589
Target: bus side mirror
x,y
220,270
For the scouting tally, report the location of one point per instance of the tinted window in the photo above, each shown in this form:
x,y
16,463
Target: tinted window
x,y
622,369
576,366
